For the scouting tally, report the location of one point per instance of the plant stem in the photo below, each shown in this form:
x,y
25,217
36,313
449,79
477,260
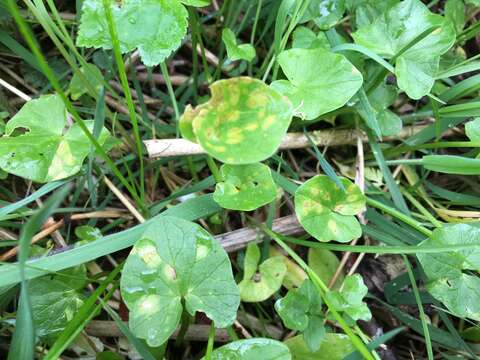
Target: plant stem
x,y
211,340
214,169
400,216
173,99
184,324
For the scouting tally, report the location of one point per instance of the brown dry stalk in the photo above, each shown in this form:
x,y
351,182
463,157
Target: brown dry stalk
x,y
181,147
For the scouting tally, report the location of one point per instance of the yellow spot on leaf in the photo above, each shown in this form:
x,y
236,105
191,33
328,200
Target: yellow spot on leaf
x,y
269,121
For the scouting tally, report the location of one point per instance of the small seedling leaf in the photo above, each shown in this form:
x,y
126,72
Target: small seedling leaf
x,y
92,75
245,187
326,212
236,51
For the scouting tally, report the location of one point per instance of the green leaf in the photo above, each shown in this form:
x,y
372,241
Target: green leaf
x,y
334,347
325,263
326,212
245,187
260,282
197,3
349,300
92,75
451,164
324,13
392,35
305,38
301,310
319,81
155,27
448,274
252,349
455,11
173,262
380,99
235,51
244,121
44,152
55,300
367,11
472,129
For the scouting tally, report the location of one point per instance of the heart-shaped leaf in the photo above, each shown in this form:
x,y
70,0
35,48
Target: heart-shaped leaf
x,y
334,347
44,152
301,310
319,81
155,27
244,121
400,25
234,50
176,261
325,263
324,13
252,349
306,38
447,272
92,74
245,187
260,282
326,211
349,299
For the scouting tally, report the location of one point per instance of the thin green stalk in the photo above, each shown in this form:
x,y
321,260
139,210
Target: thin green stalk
x,y
322,289
126,89
422,209
71,109
211,340
418,300
214,169
254,30
173,99
399,215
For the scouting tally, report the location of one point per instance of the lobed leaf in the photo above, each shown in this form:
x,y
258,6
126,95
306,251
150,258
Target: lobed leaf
x,y
234,50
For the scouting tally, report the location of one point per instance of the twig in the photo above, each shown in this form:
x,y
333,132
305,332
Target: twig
x,y
181,147
123,199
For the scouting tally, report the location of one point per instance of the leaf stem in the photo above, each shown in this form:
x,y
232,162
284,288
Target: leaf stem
x,y
214,169
211,340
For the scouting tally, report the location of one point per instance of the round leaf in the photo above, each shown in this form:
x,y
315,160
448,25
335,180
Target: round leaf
x,y
334,347
325,263
175,260
319,81
155,27
44,152
259,284
244,121
245,187
252,349
326,211
447,272
234,50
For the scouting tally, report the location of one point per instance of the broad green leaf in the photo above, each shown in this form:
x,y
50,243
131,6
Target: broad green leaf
x,y
260,282
349,299
367,11
472,129
325,263
455,11
245,187
334,347
327,212
92,75
324,13
252,349
306,38
301,310
244,121
319,81
398,28
197,3
380,99
55,300
234,50
176,262
452,277
44,151
295,275
155,27
451,164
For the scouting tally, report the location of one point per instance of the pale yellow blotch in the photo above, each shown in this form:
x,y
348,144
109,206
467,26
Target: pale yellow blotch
x,y
202,251
149,255
257,100
233,115
332,225
251,127
314,191
234,96
437,31
170,272
269,121
149,304
230,160
234,136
